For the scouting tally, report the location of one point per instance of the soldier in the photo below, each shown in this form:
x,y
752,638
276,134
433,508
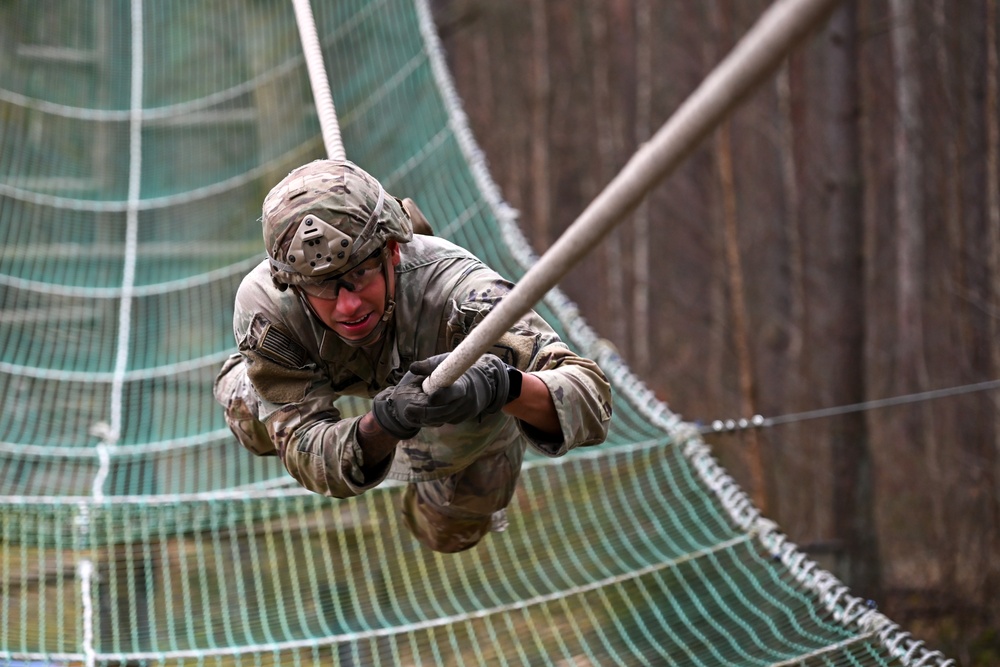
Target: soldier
x,y
350,302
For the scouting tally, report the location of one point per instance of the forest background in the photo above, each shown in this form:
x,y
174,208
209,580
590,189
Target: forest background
x,y
835,245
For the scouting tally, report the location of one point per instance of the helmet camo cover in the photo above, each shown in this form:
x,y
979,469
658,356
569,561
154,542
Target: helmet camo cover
x,y
326,217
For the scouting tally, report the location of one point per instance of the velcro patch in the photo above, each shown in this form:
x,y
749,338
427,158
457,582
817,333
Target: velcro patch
x,y
516,347
270,341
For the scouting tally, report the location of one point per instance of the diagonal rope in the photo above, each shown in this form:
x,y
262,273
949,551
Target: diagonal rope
x,y
760,51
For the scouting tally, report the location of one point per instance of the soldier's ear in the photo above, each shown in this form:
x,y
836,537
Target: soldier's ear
x,y
392,247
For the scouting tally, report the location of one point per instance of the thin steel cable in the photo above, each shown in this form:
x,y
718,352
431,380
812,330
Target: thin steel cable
x,y
759,421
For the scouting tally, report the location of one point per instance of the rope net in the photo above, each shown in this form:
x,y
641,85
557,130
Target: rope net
x,y
137,141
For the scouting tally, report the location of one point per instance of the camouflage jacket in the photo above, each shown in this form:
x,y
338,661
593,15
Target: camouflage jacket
x,y
299,368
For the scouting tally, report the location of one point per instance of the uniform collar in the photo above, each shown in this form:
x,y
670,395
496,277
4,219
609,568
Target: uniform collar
x,y
376,371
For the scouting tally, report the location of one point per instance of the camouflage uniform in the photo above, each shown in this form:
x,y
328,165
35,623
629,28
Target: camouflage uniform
x,y
279,392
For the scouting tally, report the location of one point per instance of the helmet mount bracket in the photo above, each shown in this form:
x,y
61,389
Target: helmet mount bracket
x,y
318,247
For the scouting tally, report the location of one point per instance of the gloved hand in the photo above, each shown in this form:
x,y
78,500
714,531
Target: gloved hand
x,y
389,404
481,390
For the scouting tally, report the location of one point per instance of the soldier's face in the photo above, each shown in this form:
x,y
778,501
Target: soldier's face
x,y
353,314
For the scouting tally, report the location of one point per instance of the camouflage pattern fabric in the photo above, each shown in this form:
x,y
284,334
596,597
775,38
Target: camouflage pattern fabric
x,y
454,513
298,368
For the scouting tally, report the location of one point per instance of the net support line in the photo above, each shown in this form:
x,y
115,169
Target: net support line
x,y
760,51
111,433
759,421
85,571
318,80
131,232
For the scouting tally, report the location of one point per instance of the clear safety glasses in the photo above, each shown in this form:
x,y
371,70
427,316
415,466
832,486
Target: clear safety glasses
x,y
355,280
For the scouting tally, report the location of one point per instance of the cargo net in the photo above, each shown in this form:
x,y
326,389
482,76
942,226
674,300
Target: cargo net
x,y
137,141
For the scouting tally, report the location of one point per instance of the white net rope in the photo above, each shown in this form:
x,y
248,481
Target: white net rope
x,y
137,140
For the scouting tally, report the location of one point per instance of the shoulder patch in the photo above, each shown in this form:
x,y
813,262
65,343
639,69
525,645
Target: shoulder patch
x,y
275,344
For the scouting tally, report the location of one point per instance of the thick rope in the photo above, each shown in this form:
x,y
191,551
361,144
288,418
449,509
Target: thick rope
x,y
761,50
317,80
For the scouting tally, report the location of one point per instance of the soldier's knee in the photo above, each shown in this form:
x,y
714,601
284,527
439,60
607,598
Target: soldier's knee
x,y
438,529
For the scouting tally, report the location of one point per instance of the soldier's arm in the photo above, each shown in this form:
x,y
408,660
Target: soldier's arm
x,y
535,406
377,444
565,398
581,397
324,452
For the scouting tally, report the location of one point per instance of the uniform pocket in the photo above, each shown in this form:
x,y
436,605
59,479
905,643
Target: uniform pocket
x,y
233,391
488,484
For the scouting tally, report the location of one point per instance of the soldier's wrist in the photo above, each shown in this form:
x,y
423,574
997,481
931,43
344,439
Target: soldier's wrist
x,y
515,380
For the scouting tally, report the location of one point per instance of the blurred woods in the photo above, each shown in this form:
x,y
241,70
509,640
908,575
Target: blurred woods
x,y
837,241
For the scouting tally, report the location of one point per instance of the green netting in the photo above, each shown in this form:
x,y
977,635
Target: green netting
x,y
137,141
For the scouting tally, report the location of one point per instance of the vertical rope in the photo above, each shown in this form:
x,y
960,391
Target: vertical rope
x,y
85,571
318,80
757,54
131,228
112,434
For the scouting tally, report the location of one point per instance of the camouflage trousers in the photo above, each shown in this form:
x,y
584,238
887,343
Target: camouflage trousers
x,y
454,513
448,515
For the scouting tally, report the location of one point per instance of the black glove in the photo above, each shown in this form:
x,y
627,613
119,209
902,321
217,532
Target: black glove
x,y
481,390
389,404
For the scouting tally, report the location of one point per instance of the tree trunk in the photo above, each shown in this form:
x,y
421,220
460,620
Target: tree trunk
x,y
718,319
911,370
606,167
482,75
740,332
853,514
910,367
739,318
949,141
803,504
641,355
540,102
954,148
992,109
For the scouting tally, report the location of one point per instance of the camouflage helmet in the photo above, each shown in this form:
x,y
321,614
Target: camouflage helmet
x,y
326,217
